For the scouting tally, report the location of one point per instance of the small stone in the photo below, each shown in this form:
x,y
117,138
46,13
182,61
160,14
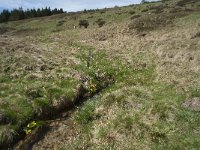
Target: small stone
x,y
192,104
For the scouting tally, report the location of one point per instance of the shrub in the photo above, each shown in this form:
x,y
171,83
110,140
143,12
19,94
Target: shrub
x,y
158,9
184,2
7,137
132,12
102,12
83,23
34,93
86,113
60,23
146,23
144,10
100,22
135,16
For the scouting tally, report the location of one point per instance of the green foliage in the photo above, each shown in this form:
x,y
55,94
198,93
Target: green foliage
x,y
146,23
97,68
60,23
144,1
4,16
41,103
195,93
55,92
100,22
32,126
34,93
7,136
11,115
137,111
19,14
83,23
135,17
85,114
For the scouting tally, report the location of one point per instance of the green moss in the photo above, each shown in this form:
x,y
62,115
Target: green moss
x,y
55,93
147,112
42,102
85,114
195,93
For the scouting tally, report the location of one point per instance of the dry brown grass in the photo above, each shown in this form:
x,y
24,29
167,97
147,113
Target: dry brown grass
x,y
159,68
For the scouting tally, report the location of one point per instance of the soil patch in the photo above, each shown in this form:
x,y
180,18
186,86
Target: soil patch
x,y
192,104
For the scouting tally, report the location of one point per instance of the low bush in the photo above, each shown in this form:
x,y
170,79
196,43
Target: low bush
x,y
100,22
60,23
135,16
132,12
184,2
83,23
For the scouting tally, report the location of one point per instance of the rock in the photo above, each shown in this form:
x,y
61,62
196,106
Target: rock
x,y
192,104
197,35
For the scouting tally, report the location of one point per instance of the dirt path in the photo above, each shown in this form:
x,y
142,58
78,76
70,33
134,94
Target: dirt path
x,y
60,130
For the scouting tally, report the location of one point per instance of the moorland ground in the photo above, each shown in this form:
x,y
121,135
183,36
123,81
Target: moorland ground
x,y
143,60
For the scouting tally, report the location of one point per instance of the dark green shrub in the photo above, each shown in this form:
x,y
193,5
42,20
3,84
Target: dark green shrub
x,y
60,23
144,10
146,23
184,2
100,22
132,12
135,16
83,23
86,113
102,12
34,93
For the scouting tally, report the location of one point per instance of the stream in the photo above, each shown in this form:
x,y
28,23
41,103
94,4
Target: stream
x,y
60,130
57,131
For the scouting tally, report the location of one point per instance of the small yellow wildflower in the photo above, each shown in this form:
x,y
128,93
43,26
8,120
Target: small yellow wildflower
x,y
28,131
32,124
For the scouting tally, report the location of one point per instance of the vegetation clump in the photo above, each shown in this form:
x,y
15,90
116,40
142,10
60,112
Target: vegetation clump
x,y
83,23
60,23
142,91
100,22
146,23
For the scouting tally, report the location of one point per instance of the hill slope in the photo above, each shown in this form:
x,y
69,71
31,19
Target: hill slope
x,y
145,62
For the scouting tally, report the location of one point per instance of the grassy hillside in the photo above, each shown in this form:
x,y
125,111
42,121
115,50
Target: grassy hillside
x,y
144,63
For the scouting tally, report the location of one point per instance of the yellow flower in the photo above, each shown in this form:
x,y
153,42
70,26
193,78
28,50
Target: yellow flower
x,y
32,124
28,131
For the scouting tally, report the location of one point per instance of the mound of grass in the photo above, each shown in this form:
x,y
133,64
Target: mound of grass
x,y
142,115
83,23
100,22
145,80
185,2
153,22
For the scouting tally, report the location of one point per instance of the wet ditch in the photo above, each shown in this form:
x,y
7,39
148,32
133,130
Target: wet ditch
x,y
52,118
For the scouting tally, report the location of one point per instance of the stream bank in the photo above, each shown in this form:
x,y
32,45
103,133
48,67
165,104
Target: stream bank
x,y
57,129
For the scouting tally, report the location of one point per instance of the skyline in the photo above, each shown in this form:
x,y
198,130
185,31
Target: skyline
x,y
67,5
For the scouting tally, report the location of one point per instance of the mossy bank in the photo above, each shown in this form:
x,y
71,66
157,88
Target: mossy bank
x,y
146,58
